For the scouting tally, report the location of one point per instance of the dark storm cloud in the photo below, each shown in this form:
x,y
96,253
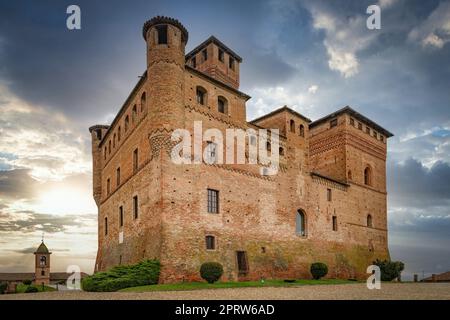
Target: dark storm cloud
x,y
33,249
413,185
17,184
29,221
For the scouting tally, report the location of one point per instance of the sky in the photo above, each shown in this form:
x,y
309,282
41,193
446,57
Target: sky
x,y
314,56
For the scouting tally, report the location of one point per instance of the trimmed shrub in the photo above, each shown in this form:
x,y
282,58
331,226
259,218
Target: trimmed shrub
x,y
3,286
27,282
120,277
389,269
31,289
211,271
318,270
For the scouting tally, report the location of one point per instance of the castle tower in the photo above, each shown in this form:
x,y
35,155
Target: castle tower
x,y
42,265
166,40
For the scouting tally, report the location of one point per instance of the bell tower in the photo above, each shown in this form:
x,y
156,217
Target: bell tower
x,y
42,265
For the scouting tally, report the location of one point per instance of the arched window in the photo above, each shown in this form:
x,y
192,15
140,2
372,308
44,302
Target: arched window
x,y
222,105
369,221
118,134
292,126
281,151
349,174
43,261
127,123
143,101
367,176
134,114
114,140
300,223
201,95
104,154
268,146
109,147
302,131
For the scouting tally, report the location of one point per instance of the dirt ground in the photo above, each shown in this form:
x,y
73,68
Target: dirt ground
x,y
390,291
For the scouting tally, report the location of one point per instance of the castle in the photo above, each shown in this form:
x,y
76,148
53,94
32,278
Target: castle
x,y
327,202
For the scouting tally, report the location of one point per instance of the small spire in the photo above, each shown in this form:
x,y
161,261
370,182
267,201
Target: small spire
x,y
42,237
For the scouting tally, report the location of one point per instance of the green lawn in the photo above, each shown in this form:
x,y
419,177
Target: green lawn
x,y
204,285
22,287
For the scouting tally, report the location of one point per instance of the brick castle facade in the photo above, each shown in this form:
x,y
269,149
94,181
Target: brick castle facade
x,y
327,203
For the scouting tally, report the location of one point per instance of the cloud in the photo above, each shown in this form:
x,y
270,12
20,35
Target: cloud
x,y
414,185
30,222
344,37
313,89
434,32
44,142
17,184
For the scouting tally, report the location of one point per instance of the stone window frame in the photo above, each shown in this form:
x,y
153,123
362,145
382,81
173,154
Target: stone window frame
x,y
121,216
369,221
334,223
215,242
203,98
118,176
304,229
292,126
368,175
224,100
301,130
210,208
136,202
329,194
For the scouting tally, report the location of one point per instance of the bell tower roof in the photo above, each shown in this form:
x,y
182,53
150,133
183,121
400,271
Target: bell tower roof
x,y
42,249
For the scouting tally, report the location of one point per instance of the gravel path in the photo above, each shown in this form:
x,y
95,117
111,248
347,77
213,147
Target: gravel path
x,y
401,291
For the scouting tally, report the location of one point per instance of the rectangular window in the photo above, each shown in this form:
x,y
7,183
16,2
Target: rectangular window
x,y
334,223
118,176
106,226
231,63
329,195
352,121
375,134
205,55
242,262
381,138
135,160
213,201
121,216
210,242
194,62
135,207
333,123
162,34
221,55
359,126
108,186
367,130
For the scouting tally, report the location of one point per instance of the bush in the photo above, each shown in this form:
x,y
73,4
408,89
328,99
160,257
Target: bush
x,y
389,269
120,277
31,289
318,270
211,271
3,286
27,282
